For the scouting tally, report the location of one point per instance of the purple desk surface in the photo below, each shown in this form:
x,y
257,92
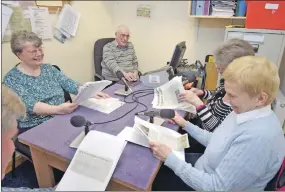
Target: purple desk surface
x,y
136,165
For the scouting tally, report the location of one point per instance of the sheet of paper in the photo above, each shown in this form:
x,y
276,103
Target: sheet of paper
x,y
93,163
166,96
107,105
6,15
90,89
25,6
68,21
134,136
259,38
162,134
40,21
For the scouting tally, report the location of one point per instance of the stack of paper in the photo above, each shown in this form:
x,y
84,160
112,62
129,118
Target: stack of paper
x,y
223,8
90,89
93,163
166,96
107,105
68,21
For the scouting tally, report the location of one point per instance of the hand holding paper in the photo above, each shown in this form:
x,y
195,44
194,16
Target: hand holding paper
x,y
160,151
190,97
167,96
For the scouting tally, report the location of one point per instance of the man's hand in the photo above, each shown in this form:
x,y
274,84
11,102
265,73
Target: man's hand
x,y
190,97
130,76
102,95
160,151
198,92
66,108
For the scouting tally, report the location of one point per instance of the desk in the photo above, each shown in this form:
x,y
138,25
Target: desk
x,y
49,144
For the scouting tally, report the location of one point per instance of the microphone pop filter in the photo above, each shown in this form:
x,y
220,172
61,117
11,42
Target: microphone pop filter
x,y
77,121
167,113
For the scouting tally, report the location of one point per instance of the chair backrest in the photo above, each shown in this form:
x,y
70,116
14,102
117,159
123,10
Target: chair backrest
x,y
98,53
67,96
278,181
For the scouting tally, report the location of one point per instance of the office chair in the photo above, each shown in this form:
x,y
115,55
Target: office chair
x,y
23,149
98,56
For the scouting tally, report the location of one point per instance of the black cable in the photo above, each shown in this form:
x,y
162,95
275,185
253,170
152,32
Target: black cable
x,y
135,100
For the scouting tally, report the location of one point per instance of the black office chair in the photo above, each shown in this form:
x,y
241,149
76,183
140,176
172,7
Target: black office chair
x,y
98,56
23,149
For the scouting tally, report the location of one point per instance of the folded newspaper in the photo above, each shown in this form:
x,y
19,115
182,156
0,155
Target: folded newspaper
x,y
166,96
162,134
90,89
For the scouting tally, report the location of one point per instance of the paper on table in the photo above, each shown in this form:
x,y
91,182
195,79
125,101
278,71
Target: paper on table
x,y
40,21
162,134
90,89
93,163
166,96
107,105
135,136
68,21
6,15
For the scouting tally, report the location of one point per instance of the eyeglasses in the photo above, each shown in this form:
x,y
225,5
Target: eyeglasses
x,y
124,36
35,51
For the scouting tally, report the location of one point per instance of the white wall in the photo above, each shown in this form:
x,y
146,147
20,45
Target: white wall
x,y
155,38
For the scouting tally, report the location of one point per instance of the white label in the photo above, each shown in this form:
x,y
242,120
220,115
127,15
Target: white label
x,y
271,6
154,79
254,38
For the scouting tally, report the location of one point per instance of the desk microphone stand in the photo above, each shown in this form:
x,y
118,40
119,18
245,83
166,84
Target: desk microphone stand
x,y
151,119
86,129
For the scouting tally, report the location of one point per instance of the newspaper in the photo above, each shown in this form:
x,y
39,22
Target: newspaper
x,y
89,89
162,134
167,96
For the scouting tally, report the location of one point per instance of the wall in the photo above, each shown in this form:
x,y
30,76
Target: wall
x,y
75,57
155,38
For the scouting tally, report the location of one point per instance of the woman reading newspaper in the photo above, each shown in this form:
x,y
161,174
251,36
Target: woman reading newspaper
x,y
211,114
247,148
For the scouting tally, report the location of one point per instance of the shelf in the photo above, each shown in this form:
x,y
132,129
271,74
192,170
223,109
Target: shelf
x,y
214,17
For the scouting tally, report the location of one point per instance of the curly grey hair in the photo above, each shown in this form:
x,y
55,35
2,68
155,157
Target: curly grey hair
x,y
231,50
19,38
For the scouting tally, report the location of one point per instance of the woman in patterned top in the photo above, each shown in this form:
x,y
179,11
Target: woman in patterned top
x,y
40,86
216,110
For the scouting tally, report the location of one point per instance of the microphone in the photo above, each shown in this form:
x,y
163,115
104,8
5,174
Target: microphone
x,y
79,121
164,113
127,89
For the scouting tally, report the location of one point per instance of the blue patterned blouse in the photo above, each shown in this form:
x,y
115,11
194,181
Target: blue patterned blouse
x,y
47,88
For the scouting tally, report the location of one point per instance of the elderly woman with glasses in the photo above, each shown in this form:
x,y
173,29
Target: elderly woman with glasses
x,y
39,85
211,114
247,148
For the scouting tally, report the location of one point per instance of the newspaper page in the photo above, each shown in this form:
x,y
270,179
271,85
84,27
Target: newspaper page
x,y
161,134
167,96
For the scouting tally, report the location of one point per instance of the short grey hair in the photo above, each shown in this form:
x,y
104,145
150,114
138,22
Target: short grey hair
x,y
19,38
231,50
120,28
12,108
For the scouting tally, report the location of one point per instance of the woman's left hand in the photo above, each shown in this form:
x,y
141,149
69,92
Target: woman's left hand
x,y
102,95
160,151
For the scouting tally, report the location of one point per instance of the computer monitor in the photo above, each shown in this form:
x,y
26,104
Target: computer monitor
x,y
178,55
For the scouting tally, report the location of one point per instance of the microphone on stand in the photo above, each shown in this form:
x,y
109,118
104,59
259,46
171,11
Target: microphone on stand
x,y
127,90
79,121
164,113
